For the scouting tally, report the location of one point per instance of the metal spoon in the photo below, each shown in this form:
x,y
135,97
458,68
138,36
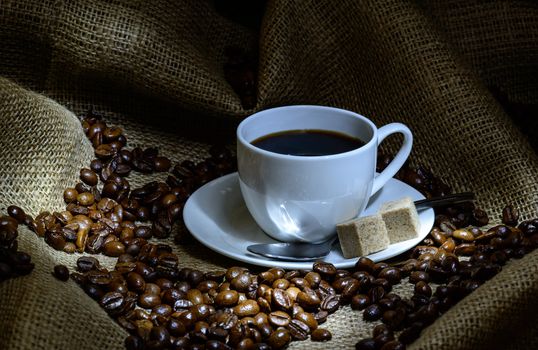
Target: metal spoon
x,y
302,251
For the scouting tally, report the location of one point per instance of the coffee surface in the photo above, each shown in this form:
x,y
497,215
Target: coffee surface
x,y
308,142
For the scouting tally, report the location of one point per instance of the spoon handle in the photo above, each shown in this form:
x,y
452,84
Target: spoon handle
x,y
444,200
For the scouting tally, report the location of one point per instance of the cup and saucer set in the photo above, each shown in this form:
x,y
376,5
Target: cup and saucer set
x,y
299,183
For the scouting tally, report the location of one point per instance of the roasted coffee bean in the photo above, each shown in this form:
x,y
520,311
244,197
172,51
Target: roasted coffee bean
x,y
308,318
112,301
85,198
411,333
104,151
376,293
99,278
241,282
381,329
394,318
360,302
382,339
88,176
392,274
279,318
143,232
149,300
227,298
464,235
417,276
393,345
372,312
246,308
510,215
87,263
298,329
55,239
279,339
321,334
366,344
438,236
136,282
61,272
70,248
16,213
423,288
449,245
281,299
113,248
465,249
161,164
133,342
327,270
70,195
331,303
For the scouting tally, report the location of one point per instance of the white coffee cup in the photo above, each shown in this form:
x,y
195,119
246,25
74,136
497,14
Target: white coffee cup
x,y
303,198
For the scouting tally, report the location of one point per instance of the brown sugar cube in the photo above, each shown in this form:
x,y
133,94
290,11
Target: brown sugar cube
x,y
401,219
362,236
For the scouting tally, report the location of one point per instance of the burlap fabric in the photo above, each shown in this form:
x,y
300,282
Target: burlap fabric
x,y
156,69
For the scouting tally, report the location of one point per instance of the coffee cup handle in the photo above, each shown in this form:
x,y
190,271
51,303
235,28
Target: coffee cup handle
x,y
400,157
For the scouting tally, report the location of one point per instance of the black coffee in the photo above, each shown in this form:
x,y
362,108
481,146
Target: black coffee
x,y
308,142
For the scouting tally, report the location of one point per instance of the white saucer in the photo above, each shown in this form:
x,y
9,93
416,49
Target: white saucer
x,y
216,215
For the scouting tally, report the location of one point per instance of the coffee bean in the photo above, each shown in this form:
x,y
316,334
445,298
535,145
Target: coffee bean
x,y
308,318
149,300
298,329
411,333
279,318
85,198
327,270
366,344
61,272
392,274
422,287
360,302
308,299
281,299
161,164
365,264
376,293
321,334
87,263
133,342
70,195
417,276
113,248
463,235
16,213
510,215
55,239
279,339
393,345
372,313
330,304
88,176
241,282
112,301
246,308
227,298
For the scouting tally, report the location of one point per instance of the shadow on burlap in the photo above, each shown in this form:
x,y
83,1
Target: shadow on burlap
x,y
156,70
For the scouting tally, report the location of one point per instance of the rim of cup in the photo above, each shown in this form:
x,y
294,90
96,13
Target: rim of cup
x,y
262,114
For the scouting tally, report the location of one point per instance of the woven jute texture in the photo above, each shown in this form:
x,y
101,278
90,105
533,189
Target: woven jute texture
x,y
156,69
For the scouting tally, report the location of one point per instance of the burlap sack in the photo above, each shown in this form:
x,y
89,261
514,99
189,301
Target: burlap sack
x,y
156,69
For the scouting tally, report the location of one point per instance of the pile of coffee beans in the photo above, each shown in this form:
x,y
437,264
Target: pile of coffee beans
x,y
13,262
163,304
104,214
